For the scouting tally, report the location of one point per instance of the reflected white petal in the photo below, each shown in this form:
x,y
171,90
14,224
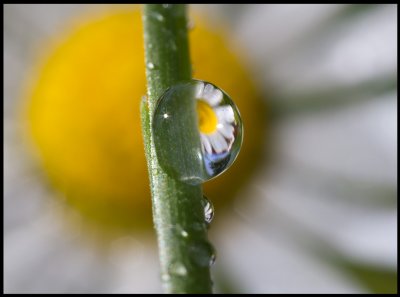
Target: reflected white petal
x,y
226,130
206,143
218,142
208,89
212,95
215,97
225,114
198,92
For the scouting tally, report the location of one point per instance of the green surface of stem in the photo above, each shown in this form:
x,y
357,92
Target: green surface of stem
x,y
178,213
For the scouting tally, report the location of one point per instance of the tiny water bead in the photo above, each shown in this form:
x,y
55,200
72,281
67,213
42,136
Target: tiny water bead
x,y
157,16
184,233
178,268
197,131
150,65
190,25
213,257
202,253
208,210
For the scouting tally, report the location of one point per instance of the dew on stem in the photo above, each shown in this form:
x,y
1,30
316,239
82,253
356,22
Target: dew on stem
x,y
216,131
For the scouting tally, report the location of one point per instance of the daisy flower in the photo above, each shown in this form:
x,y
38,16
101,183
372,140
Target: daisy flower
x,y
319,217
217,124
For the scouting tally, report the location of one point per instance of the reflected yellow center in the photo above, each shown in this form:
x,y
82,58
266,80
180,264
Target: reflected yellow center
x,y
207,118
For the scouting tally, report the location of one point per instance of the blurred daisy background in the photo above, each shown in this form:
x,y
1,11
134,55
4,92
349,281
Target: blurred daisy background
x,y
319,215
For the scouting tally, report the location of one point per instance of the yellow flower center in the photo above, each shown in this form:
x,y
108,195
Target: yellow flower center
x,y
207,118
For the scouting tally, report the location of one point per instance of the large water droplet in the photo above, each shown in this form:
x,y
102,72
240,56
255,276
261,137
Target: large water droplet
x,y
208,210
198,131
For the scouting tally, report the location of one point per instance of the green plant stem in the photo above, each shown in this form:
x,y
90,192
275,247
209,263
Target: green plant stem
x,y
178,212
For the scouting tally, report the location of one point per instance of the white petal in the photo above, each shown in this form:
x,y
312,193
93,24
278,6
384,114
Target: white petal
x,y
225,114
212,95
218,142
208,89
226,130
206,143
215,97
198,92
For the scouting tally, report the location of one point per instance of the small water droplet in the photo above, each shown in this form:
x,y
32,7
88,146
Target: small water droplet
x,y
212,259
150,65
198,226
158,17
208,210
190,25
184,233
178,269
202,253
165,277
217,121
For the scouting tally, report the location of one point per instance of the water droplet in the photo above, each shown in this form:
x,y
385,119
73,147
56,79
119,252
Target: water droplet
x,y
155,15
165,6
190,25
178,269
204,116
202,253
159,17
213,257
208,210
198,226
150,65
184,233
165,277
